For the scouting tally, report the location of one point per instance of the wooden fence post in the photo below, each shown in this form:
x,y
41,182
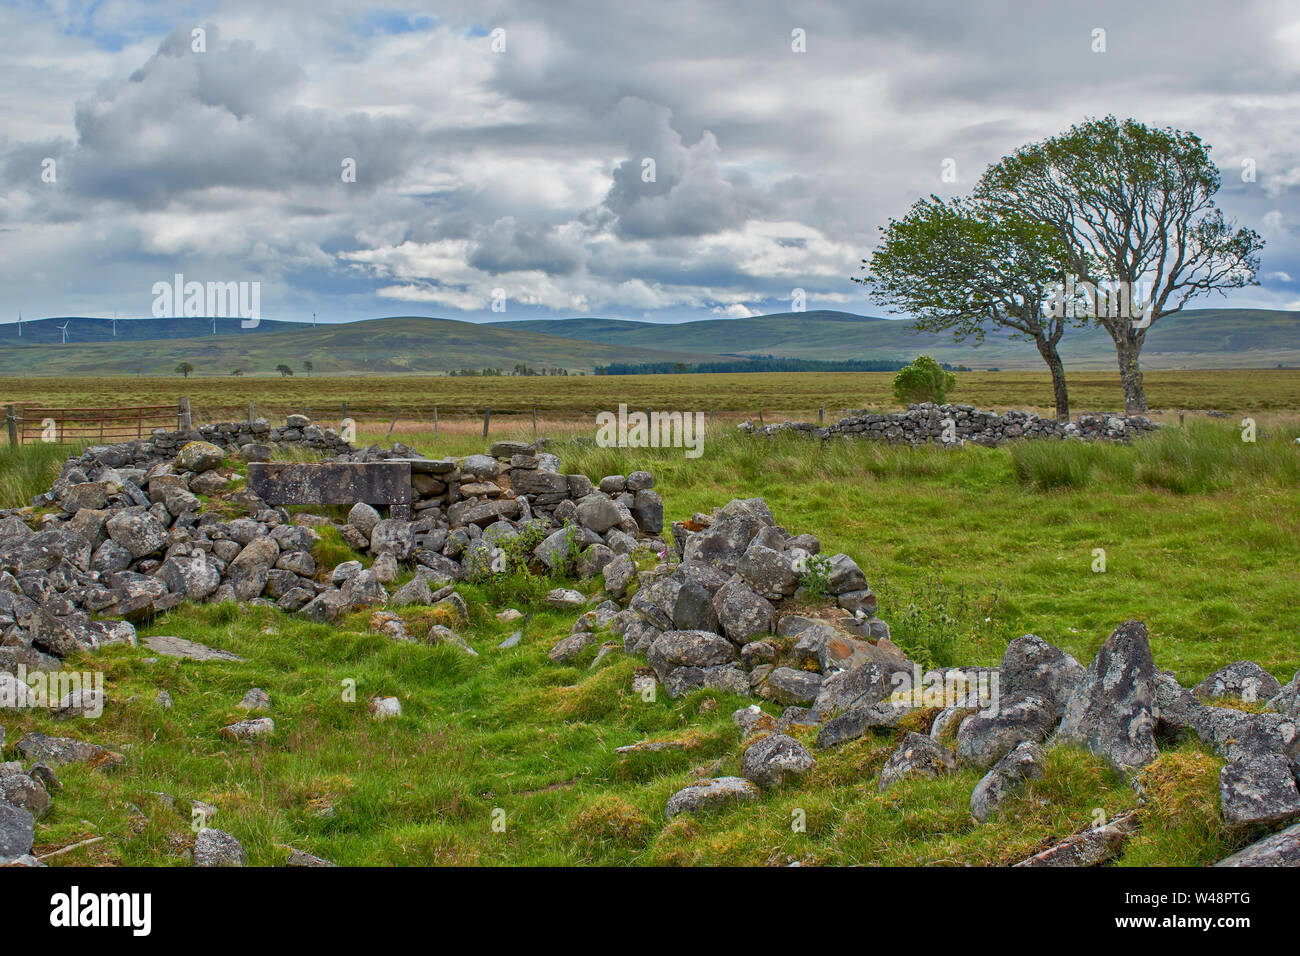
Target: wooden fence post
x,y
251,412
487,417
11,420
186,417
760,416
392,423
435,423
821,415
534,421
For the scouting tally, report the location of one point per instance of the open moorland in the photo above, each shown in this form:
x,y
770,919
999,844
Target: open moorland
x,y
966,549
797,395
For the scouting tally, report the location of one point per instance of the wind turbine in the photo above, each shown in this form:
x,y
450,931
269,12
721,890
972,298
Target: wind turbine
x,y
64,329
313,320
20,325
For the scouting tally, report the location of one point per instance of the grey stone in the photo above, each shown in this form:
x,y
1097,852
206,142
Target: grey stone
x,y
1024,762
1032,666
785,685
991,734
169,646
711,795
776,760
215,848
1278,849
916,756
1258,791
1111,711
1244,680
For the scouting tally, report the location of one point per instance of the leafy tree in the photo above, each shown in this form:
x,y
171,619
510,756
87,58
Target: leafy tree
x,y
184,368
923,381
308,367
1134,208
284,370
958,267
237,371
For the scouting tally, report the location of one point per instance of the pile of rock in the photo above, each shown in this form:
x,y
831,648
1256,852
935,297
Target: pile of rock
x,y
928,423
127,536
255,440
715,614
710,615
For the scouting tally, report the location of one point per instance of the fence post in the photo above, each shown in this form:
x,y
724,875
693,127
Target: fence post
x,y
187,420
392,423
821,415
435,423
760,416
11,420
534,421
251,413
487,417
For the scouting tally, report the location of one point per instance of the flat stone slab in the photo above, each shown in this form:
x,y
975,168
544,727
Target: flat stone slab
x,y
169,646
331,482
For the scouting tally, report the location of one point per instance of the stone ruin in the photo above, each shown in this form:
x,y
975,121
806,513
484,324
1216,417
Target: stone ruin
x,y
925,424
735,603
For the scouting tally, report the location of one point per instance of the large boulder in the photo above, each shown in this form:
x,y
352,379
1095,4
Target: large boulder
x,y
1032,666
1244,680
988,735
598,513
1024,762
1111,712
200,456
743,614
392,536
1258,791
138,532
776,760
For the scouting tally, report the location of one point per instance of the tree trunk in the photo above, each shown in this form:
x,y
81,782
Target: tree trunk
x,y
1128,349
1047,349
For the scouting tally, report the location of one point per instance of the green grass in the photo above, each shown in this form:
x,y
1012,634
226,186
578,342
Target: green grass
x,y
967,550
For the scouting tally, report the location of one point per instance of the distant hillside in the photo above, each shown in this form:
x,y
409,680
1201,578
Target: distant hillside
x,y
1202,338
1205,338
400,345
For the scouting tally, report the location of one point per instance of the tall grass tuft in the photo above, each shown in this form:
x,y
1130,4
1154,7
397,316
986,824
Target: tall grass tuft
x,y
28,470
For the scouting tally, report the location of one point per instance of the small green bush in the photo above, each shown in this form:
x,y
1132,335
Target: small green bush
x,y
923,381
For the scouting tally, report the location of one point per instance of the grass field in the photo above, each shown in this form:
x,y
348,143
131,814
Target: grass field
x,y
966,549
778,395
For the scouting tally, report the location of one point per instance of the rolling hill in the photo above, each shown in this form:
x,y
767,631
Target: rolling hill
x,y
1202,338
406,345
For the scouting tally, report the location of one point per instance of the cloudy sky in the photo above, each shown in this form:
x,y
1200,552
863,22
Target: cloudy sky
x,y
501,147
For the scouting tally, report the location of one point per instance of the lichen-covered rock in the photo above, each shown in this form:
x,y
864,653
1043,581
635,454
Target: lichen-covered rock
x,y
138,532
1287,701
1032,666
989,735
916,756
18,831
200,456
1278,849
618,574
711,795
1024,762
776,760
1243,680
743,614
1111,711
785,685
856,721
218,848
565,598
1258,791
